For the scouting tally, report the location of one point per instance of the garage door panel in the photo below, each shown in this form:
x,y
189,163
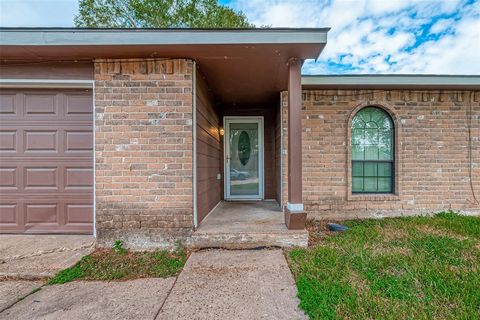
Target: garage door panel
x,y
8,213
7,104
78,178
41,179
41,213
79,213
43,104
78,141
8,178
46,161
8,141
41,141
37,177
78,106
58,140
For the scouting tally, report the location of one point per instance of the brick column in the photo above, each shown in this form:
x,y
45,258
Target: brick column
x,y
294,214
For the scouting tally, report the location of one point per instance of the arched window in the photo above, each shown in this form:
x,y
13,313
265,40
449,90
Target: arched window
x,y
372,151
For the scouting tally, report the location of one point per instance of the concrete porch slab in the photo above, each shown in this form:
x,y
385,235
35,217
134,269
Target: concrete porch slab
x,y
246,225
41,256
234,284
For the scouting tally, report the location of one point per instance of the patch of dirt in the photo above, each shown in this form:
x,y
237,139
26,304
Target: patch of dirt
x,y
391,233
317,230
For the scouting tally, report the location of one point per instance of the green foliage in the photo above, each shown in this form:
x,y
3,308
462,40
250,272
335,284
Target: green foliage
x,y
122,264
158,14
72,273
118,247
398,268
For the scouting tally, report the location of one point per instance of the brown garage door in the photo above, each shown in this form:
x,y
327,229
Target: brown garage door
x,y
46,161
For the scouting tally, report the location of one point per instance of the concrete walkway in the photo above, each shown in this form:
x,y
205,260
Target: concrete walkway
x,y
41,256
222,284
215,284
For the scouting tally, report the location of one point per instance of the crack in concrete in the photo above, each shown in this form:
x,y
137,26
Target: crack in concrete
x,y
170,291
43,252
22,298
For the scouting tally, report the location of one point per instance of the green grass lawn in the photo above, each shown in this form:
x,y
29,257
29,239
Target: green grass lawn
x,y
121,264
396,268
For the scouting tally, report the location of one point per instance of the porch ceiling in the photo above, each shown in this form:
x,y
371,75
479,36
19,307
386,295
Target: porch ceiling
x,y
241,66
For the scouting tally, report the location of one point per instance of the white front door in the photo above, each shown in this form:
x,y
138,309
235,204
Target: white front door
x,y
243,145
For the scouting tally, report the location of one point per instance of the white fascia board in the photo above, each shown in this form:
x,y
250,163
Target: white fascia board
x,y
72,37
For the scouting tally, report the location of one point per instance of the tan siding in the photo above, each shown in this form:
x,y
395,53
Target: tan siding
x,y
209,189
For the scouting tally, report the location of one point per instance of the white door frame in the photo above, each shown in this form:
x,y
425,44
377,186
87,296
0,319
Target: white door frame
x,y
226,148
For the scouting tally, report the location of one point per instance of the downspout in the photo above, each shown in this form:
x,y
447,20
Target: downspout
x,y
194,129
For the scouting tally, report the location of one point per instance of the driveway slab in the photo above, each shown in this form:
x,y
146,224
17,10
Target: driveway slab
x,y
38,256
12,291
222,284
135,299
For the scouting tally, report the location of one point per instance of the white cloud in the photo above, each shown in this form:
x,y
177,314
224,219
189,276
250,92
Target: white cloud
x,y
382,36
442,26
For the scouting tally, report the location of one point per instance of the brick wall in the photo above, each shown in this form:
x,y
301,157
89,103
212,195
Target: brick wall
x,y
143,151
432,154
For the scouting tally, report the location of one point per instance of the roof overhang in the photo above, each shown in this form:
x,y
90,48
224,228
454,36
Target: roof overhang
x,y
242,66
454,82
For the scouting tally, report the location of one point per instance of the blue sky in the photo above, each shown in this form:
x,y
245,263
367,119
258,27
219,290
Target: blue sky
x,y
367,36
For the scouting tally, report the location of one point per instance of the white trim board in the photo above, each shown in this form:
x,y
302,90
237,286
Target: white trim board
x,y
194,139
46,83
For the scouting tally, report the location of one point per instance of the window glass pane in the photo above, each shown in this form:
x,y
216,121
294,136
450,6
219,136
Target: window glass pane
x,y
385,185
371,137
384,169
385,122
385,137
370,184
370,169
357,122
358,152
357,169
371,152
357,136
367,113
357,184
385,153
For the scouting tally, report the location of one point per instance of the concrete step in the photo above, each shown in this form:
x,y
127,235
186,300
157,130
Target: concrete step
x,y
249,240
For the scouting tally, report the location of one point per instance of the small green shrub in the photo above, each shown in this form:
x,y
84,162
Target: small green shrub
x,y
118,247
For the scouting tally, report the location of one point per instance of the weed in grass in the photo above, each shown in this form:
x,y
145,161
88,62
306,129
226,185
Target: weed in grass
x,y
118,247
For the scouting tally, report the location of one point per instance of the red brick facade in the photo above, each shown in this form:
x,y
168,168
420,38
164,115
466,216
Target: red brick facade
x,y
143,150
436,167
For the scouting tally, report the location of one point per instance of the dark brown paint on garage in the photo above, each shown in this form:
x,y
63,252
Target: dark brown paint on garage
x,y
46,161
47,70
209,150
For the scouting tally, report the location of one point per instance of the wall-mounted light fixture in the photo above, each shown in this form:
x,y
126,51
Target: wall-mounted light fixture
x,y
221,131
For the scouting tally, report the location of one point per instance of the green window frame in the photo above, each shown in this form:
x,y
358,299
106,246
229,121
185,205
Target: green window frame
x,y
372,141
